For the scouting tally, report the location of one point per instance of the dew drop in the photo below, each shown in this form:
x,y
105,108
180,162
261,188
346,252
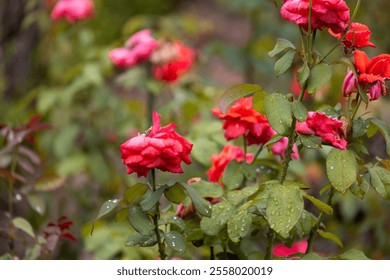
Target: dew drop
x,y
332,167
18,197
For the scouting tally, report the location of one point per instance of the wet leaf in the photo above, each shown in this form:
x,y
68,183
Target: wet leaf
x,y
207,189
135,191
303,74
140,221
239,224
175,193
331,236
319,76
220,215
153,198
323,207
235,93
380,180
284,63
136,239
175,241
353,254
299,111
278,112
341,168
384,130
108,207
202,206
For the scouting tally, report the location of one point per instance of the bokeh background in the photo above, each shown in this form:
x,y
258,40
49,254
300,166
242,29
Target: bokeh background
x,y
61,72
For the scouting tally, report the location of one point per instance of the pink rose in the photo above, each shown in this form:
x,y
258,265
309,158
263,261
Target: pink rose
x,y
284,251
331,130
333,14
160,148
73,10
279,148
122,58
350,84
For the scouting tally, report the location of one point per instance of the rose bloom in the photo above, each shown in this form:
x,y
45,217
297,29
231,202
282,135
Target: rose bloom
x,y
331,130
220,161
182,61
350,84
333,14
373,73
284,251
358,36
160,148
243,119
280,147
138,48
73,10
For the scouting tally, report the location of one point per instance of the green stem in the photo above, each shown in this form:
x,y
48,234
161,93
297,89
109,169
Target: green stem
x,y
355,11
270,241
314,230
150,99
212,255
309,34
156,216
257,153
11,197
245,146
356,109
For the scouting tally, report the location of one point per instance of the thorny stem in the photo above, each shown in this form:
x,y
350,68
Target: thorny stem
x,y
156,216
11,197
314,230
270,241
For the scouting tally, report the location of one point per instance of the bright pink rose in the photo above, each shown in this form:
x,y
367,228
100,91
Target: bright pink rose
x,y
171,71
243,119
122,58
333,14
141,44
358,36
160,148
220,161
284,251
350,84
373,73
73,10
331,130
137,49
280,147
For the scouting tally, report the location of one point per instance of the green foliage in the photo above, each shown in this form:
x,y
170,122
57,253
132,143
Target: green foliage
x,y
236,92
278,112
319,76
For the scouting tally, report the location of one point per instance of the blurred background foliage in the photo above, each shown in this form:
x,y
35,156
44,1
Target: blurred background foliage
x,y
62,73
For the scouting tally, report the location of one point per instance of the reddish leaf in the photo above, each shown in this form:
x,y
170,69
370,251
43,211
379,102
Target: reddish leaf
x,y
69,236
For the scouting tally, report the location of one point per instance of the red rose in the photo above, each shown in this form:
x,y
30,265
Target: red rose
x,y
358,36
73,10
284,251
333,14
243,119
331,130
373,73
220,161
161,148
182,62
137,49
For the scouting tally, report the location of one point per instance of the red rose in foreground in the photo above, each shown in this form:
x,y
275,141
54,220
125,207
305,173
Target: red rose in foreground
x,y
331,130
243,119
183,60
73,10
373,73
137,49
333,14
358,36
284,251
161,148
220,161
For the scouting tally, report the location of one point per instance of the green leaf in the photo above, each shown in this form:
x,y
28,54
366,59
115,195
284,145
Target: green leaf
x,y
238,196
284,207
303,74
238,226
341,168
381,125
233,176
380,180
284,63
108,207
134,192
280,46
235,93
207,189
175,241
202,206
140,221
323,207
23,225
359,128
330,236
360,189
353,254
310,141
37,203
153,198
305,224
175,193
220,215
319,76
258,101
136,239
278,112
121,215
312,256
299,110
